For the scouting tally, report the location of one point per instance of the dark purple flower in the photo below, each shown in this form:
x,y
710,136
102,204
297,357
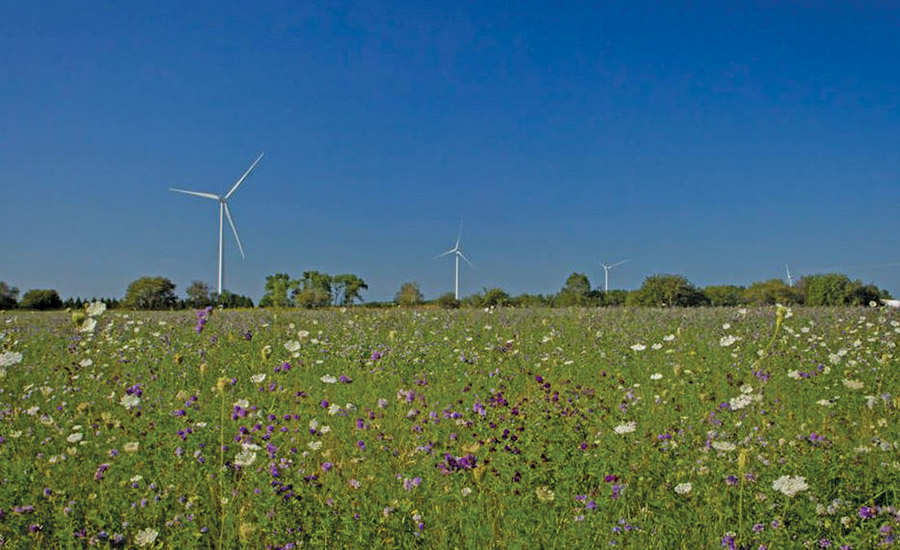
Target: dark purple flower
x,y
327,466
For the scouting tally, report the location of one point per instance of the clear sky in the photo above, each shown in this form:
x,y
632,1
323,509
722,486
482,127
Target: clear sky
x,y
715,139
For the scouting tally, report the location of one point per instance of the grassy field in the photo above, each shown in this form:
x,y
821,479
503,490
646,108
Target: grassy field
x,y
584,428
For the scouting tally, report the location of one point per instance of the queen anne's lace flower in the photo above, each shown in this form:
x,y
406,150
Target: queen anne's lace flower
x,y
790,485
626,428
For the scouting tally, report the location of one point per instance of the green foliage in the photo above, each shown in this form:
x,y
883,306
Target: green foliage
x,y
829,289
448,301
230,300
8,295
280,289
669,291
773,291
41,299
312,297
613,298
576,291
725,295
150,293
347,288
531,300
489,297
409,295
198,295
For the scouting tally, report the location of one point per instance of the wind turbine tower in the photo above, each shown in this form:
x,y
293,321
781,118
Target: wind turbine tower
x,y
606,269
789,278
224,212
457,253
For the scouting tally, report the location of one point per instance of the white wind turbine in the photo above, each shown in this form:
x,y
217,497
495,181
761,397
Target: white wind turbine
x,y
606,269
789,278
224,212
457,254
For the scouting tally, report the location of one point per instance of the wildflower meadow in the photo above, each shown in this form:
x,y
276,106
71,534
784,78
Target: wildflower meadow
x,y
425,428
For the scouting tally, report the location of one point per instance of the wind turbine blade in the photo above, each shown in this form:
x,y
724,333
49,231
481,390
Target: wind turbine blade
x,y
196,194
459,235
463,256
620,263
233,229
451,251
242,178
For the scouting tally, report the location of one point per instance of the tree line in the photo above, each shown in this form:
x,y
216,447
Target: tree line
x,y
316,289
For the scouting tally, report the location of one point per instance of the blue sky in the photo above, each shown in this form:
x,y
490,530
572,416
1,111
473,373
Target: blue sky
x,y
718,140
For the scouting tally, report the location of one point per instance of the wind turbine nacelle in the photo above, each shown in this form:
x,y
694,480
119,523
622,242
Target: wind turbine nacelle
x,y
891,303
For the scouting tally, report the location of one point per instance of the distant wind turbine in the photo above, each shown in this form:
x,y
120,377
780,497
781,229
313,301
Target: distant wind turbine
x,y
891,303
224,212
789,278
606,269
457,252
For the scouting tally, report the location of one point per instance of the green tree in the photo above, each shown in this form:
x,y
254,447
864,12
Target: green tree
x,y
861,295
725,295
448,301
41,299
495,297
8,296
346,288
316,287
773,291
613,298
669,291
280,290
150,293
229,300
198,295
829,289
312,297
575,292
409,295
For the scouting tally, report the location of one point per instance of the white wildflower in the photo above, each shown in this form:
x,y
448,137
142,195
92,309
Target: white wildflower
x,y
131,447
89,325
684,489
292,346
726,341
302,335
656,346
726,326
639,347
314,445
743,400
244,458
723,446
10,358
626,428
790,485
130,401
86,362
146,536
669,337
853,384
257,378
328,379
75,437
794,374
242,403
96,309
333,409
656,376
466,491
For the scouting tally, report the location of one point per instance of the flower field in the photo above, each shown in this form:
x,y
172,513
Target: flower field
x,y
582,428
